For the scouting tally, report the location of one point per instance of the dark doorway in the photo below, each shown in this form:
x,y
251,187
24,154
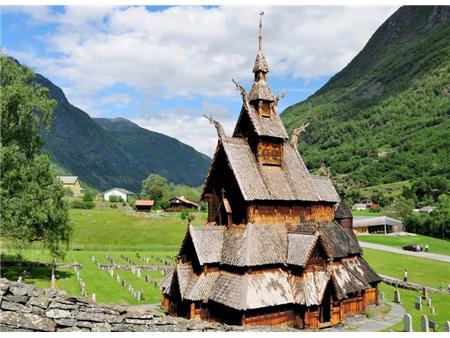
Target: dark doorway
x,y
325,307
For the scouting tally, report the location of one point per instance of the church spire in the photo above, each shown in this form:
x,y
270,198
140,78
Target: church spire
x,y
260,62
260,31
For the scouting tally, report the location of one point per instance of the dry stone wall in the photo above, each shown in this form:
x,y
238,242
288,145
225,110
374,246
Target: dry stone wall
x,y
23,307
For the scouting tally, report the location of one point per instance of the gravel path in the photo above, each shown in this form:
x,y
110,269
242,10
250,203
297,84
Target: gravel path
x,y
437,257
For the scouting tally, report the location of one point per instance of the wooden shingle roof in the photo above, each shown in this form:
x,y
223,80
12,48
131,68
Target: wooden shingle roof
x,y
289,182
200,286
261,91
325,189
252,290
260,63
345,281
336,241
254,244
308,289
208,242
300,248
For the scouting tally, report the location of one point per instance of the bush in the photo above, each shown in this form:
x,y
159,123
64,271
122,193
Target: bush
x,y
113,206
87,197
79,204
187,213
114,198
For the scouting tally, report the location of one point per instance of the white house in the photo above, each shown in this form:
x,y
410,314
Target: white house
x,y
359,206
119,192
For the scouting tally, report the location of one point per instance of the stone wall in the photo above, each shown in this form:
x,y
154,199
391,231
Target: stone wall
x,y
26,308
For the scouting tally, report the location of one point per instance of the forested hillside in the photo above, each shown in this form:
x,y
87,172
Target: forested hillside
x,y
385,117
116,153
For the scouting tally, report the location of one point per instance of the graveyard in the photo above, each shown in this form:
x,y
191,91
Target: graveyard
x,y
123,256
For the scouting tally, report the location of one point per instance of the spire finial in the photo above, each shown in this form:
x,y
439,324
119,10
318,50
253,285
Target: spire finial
x,y
260,30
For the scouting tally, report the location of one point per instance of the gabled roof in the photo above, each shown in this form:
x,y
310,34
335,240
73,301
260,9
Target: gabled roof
x,y
200,286
252,290
359,267
254,244
291,181
309,288
184,273
300,248
345,281
336,242
207,242
166,282
263,126
325,188
184,200
68,179
123,191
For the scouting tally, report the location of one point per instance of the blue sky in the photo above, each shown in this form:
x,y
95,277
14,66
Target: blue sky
x,y
163,67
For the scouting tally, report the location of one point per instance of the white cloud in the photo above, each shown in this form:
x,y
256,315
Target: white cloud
x,y
193,51
190,126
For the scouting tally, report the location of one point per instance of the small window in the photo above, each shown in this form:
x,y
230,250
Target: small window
x,y
270,153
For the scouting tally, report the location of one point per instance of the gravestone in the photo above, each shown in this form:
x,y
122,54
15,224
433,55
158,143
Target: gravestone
x,y
447,326
429,301
381,295
93,297
93,258
78,274
397,298
124,283
83,292
146,278
138,296
432,310
419,303
53,282
433,325
138,273
424,323
407,323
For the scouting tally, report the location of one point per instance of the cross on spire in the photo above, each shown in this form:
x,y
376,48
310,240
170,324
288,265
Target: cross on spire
x,y
260,30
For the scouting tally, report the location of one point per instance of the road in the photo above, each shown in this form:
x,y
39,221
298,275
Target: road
x,y
437,257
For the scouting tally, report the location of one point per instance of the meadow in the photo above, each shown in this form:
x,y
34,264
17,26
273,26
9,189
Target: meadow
x,y
117,233
436,245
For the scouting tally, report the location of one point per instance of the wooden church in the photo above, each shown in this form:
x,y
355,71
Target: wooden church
x,y
277,249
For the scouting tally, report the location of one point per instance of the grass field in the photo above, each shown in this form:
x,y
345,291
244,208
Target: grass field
x,y
114,232
420,270
367,213
389,189
436,245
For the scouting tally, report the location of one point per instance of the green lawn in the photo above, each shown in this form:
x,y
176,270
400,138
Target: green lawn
x,y
408,298
420,270
435,245
389,189
367,213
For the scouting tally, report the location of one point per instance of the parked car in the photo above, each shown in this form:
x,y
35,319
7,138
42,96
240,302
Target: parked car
x,y
412,247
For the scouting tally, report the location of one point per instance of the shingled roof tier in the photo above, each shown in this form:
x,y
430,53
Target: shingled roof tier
x,y
290,182
247,245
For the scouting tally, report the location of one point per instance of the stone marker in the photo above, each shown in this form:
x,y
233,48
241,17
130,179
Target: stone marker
x,y
138,274
429,301
78,274
397,298
424,323
381,295
433,325
432,310
53,285
124,283
138,296
93,297
447,326
93,258
407,323
419,303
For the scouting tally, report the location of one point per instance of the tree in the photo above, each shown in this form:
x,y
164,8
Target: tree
x,y
31,198
157,188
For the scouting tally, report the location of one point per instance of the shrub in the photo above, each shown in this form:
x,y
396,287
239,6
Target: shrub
x,y
187,213
114,206
79,204
114,198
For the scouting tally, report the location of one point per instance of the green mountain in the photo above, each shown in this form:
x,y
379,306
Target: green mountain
x,y
385,117
116,153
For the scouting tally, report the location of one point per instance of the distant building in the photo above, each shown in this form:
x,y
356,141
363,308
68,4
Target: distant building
x,y
72,183
179,203
119,192
359,206
376,224
144,205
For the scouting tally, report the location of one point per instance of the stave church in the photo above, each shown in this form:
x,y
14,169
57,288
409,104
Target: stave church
x,y
278,247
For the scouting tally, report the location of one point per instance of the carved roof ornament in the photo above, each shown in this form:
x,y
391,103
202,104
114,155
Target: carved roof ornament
x,y
295,138
217,125
243,93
